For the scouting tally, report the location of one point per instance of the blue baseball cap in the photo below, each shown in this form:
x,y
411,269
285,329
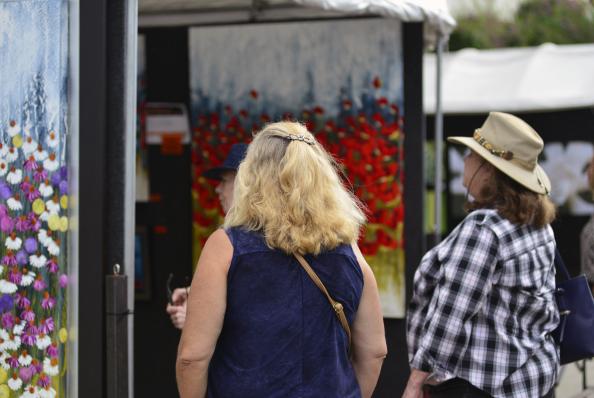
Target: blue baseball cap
x,y
231,162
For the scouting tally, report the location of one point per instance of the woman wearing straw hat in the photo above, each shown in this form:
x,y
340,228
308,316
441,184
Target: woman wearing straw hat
x,y
483,306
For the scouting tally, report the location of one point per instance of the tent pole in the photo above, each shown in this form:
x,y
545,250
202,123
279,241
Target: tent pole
x,y
438,140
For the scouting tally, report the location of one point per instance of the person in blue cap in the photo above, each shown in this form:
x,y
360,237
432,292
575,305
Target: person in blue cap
x,y
225,174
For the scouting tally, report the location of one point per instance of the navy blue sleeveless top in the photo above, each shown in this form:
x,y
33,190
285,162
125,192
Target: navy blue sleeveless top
x,y
280,336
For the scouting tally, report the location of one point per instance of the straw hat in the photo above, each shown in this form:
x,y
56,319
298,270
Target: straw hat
x,y
512,146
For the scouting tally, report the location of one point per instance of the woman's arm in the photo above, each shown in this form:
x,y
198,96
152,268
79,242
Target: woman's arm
x,y
205,313
369,339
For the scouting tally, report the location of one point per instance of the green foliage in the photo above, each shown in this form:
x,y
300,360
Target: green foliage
x,y
536,22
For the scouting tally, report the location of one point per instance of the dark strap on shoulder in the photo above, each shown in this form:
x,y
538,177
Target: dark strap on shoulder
x,y
338,307
560,266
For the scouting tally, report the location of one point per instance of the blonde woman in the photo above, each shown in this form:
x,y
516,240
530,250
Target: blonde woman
x,y
257,324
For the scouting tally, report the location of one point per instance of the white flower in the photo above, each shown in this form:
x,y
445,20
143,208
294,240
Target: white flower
x,y
50,366
14,204
51,163
46,190
43,341
11,155
37,261
52,207
27,278
52,139
13,243
15,383
4,335
53,248
3,167
42,236
13,128
25,359
4,357
47,392
30,392
40,155
19,327
3,150
13,342
29,146
44,216
7,287
14,176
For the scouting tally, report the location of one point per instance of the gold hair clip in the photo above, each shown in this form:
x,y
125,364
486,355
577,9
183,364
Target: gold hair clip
x,y
507,155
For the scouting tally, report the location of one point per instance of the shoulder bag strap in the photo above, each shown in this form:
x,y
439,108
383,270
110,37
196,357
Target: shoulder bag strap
x,y
338,308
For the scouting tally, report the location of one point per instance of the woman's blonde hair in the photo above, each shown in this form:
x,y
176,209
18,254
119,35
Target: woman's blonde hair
x,y
288,188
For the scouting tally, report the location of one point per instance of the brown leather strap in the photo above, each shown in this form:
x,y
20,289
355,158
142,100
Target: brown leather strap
x,y
338,307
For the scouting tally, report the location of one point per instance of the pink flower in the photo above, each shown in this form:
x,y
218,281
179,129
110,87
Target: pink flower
x,y
52,350
34,223
7,320
22,224
39,284
15,276
43,381
48,301
47,325
22,300
52,265
63,281
6,224
13,360
28,338
40,174
10,259
28,315
32,193
36,366
30,164
26,373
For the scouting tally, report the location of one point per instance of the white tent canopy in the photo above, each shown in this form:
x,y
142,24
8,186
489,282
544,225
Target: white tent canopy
x,y
434,13
541,78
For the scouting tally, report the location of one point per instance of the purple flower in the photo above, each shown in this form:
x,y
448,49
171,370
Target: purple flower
x,y
56,179
31,245
15,276
52,265
6,303
22,224
6,224
43,381
32,194
13,360
63,187
25,185
63,173
36,366
40,174
48,301
28,315
3,211
7,320
26,373
22,301
22,257
47,325
30,164
28,338
39,284
63,281
52,350
34,223
5,191
10,259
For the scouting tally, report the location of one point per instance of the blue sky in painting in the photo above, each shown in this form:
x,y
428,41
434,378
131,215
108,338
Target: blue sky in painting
x,y
295,65
33,43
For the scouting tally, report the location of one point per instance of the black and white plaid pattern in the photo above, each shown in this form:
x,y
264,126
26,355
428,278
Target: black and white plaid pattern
x,y
483,308
587,250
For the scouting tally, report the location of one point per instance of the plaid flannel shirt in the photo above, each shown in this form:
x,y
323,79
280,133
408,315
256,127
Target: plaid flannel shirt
x,y
483,307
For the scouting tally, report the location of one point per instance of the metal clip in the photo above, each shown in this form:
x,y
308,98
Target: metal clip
x,y
116,269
